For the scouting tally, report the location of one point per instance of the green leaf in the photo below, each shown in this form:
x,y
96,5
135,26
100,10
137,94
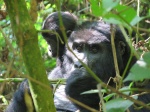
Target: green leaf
x,y
124,90
146,58
96,8
141,70
128,14
108,97
118,105
136,20
122,15
109,4
100,8
113,18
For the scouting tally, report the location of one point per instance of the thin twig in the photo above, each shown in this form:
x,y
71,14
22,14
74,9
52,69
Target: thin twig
x,y
118,77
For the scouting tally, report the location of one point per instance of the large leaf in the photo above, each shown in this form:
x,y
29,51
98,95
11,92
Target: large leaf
x,y
122,15
114,13
146,58
118,105
109,4
114,19
96,7
100,8
141,70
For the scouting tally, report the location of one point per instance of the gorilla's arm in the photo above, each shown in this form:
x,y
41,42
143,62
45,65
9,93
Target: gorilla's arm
x,y
62,104
79,82
18,102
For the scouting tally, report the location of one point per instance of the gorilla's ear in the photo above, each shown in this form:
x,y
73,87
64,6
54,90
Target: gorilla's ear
x,y
52,23
122,47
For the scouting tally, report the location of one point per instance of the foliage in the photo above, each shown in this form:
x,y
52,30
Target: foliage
x,y
141,70
113,12
133,15
118,105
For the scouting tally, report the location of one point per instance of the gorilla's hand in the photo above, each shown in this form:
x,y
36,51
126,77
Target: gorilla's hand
x,y
79,82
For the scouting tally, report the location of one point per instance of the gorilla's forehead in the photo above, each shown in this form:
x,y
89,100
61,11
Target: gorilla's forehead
x,y
89,36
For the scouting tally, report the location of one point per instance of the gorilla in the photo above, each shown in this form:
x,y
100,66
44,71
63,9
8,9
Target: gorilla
x,y
90,41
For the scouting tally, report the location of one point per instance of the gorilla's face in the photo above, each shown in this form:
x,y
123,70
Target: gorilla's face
x,y
94,50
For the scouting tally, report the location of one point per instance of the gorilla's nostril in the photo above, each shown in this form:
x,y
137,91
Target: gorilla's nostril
x,y
77,64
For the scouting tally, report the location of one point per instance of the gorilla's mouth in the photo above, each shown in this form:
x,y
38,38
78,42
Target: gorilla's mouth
x,y
80,78
82,69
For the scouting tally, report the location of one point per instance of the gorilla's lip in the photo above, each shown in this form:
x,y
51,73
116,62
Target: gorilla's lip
x,y
82,69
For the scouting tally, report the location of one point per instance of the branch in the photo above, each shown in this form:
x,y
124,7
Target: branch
x,y
27,39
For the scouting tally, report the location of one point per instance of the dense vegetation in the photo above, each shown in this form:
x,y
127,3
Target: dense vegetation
x,y
133,15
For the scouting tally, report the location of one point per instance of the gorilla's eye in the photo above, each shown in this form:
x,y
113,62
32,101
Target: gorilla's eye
x,y
94,48
78,47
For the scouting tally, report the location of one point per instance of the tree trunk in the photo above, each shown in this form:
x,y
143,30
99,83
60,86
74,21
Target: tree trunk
x,y
27,40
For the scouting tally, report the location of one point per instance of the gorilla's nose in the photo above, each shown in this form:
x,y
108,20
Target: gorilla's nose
x,y
78,65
